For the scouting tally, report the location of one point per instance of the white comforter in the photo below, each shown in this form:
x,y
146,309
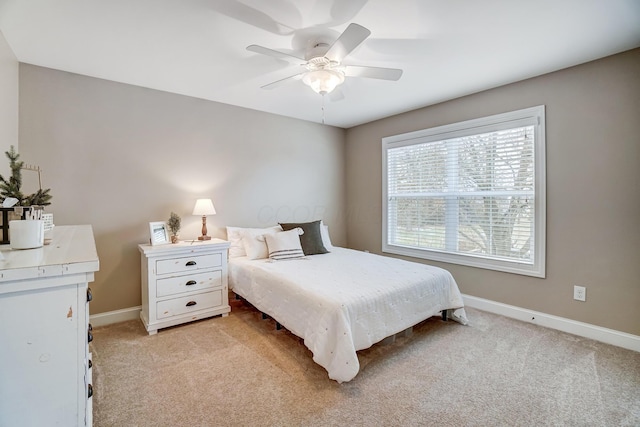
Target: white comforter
x,y
345,300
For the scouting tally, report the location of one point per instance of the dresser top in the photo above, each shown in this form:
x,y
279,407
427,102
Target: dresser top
x,y
72,250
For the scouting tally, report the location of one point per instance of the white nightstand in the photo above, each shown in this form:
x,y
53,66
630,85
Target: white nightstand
x,y
183,282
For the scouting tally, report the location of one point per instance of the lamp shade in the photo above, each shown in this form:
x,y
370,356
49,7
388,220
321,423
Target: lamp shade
x,y
204,207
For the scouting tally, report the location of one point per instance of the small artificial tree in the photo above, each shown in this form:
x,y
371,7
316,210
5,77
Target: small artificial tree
x,y
174,226
11,187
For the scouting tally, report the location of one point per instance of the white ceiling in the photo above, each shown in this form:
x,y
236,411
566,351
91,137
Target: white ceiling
x,y
197,48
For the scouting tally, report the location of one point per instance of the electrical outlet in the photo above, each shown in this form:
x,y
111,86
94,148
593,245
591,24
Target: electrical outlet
x,y
579,293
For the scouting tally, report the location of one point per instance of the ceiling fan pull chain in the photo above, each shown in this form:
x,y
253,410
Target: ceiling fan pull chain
x,y
323,109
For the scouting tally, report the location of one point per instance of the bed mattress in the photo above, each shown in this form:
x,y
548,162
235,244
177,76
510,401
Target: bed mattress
x,y
345,300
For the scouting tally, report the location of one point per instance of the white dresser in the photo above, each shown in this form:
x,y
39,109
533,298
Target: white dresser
x,y
183,282
45,365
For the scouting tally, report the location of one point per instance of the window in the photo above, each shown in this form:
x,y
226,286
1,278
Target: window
x,y
470,193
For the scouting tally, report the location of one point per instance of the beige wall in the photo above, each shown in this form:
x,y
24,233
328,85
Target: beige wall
x,y
119,156
8,103
593,189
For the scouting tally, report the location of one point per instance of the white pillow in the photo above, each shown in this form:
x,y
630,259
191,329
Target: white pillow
x,y
234,236
285,245
254,243
324,233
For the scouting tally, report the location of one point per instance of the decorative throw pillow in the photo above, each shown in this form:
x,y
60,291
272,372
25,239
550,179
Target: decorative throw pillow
x,y
234,236
326,240
254,243
311,240
285,245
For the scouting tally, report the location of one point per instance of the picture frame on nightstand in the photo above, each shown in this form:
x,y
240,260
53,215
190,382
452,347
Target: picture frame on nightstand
x,y
159,233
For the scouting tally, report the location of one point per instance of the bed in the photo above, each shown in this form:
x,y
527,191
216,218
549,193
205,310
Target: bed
x,y
345,300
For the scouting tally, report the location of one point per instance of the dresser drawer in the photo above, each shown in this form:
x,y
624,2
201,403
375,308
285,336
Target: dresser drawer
x,y
178,265
187,283
187,304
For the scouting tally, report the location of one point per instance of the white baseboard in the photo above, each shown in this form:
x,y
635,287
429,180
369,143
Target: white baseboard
x,y
586,330
115,316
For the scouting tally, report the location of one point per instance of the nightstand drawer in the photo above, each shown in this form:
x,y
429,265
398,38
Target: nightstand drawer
x,y
178,265
187,304
188,283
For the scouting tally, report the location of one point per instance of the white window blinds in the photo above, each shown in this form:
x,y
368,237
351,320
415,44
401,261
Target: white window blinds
x,y
468,193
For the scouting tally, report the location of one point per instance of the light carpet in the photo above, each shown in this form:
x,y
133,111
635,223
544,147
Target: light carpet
x,y
240,371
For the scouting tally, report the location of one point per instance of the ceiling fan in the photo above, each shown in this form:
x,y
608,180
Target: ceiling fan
x,y
322,69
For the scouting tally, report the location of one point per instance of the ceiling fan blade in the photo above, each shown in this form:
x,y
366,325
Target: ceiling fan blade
x,y
344,11
333,13
401,48
373,72
259,19
275,53
347,42
280,82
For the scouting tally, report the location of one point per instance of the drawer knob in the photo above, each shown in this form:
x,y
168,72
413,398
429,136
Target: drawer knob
x,y
191,303
191,283
190,263
89,391
89,295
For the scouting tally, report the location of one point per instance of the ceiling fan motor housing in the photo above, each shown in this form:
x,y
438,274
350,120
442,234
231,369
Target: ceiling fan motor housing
x,y
318,50
320,63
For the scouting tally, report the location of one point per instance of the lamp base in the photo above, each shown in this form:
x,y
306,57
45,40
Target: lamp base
x,y
204,238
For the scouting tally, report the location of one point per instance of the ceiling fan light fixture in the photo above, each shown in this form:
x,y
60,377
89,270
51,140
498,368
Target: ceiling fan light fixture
x,y
323,81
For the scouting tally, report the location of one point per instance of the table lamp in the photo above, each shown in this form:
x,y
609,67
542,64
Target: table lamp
x,y
204,207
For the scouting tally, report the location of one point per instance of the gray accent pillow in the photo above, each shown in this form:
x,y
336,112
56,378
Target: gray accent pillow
x,y
311,240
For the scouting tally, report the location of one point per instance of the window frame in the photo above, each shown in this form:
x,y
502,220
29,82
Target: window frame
x,y
534,116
